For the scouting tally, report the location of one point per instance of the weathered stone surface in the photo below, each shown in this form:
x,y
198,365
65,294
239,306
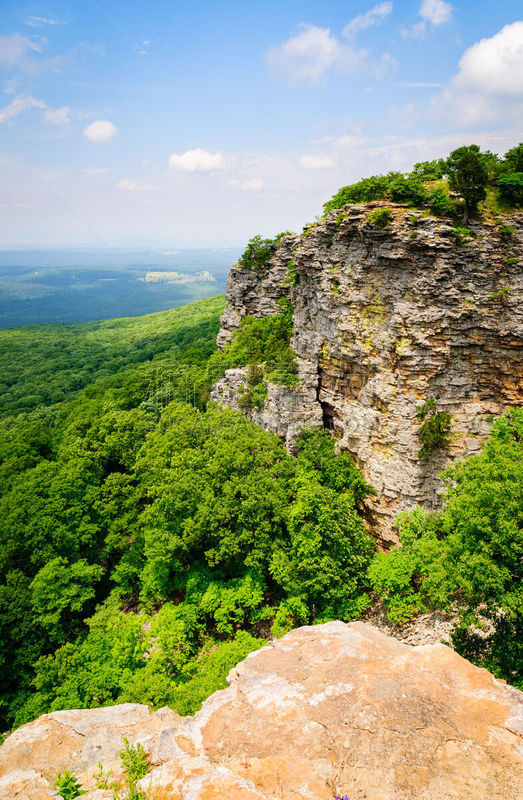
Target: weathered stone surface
x,y
384,318
329,709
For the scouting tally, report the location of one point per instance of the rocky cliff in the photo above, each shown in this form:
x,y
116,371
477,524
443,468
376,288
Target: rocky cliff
x,y
332,709
384,318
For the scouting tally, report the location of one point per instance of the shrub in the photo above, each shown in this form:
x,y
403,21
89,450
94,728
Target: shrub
x,y
513,161
293,277
134,761
430,170
499,295
408,190
506,231
67,785
434,432
460,234
367,189
380,217
266,341
511,187
259,251
440,203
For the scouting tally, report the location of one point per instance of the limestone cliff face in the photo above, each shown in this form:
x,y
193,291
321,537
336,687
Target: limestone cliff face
x,y
328,710
385,317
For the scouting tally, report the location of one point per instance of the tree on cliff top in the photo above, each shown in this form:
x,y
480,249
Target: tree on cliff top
x,y
468,176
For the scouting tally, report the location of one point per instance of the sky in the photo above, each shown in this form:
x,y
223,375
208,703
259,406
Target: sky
x,y
202,123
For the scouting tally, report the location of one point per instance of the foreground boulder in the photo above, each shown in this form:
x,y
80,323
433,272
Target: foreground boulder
x,y
326,710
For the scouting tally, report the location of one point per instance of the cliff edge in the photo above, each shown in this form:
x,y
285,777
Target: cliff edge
x,y
331,709
389,312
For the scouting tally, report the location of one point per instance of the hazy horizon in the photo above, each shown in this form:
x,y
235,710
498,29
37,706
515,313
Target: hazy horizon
x,y
88,284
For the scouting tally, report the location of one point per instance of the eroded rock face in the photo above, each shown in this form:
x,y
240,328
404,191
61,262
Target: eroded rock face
x,y
385,318
330,709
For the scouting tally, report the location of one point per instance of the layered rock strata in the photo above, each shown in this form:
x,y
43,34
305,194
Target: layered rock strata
x,y
328,710
384,318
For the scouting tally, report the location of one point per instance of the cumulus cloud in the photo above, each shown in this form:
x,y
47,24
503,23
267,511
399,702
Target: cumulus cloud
x,y
316,161
375,16
101,130
433,13
197,160
488,85
18,105
313,50
248,185
58,116
305,56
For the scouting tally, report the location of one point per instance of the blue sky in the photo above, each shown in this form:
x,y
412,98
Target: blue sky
x,y
202,123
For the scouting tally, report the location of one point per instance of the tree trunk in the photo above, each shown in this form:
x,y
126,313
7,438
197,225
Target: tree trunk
x,y
465,213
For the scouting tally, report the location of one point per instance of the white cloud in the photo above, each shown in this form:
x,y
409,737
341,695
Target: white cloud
x,y
495,65
95,170
101,131
133,186
312,51
305,56
18,105
248,185
375,16
14,48
416,31
437,12
488,85
36,22
197,160
316,161
58,116
433,13
20,52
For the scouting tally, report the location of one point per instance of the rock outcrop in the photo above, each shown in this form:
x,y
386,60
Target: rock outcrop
x,y
384,318
326,710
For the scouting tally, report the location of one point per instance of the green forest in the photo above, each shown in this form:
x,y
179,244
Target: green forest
x,y
150,540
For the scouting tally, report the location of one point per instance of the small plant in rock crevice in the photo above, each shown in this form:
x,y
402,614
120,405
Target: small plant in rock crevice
x,y
293,277
434,432
460,234
499,295
135,766
101,778
67,785
506,231
134,760
380,217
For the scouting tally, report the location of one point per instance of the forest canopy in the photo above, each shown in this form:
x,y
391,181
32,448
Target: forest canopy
x,y
151,540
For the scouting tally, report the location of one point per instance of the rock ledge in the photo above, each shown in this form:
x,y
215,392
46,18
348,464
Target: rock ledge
x,y
333,708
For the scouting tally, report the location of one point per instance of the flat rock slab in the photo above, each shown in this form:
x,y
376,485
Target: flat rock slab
x,y
330,709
